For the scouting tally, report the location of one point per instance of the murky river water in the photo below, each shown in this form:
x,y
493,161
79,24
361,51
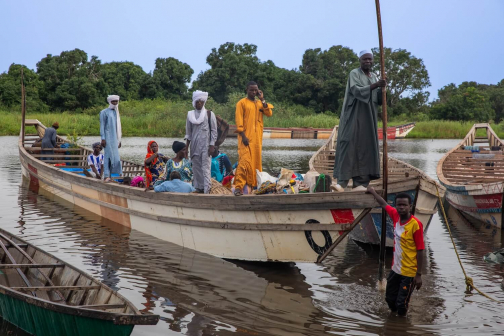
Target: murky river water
x,y
197,294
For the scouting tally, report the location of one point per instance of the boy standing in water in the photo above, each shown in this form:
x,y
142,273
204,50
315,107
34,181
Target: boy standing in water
x,y
405,274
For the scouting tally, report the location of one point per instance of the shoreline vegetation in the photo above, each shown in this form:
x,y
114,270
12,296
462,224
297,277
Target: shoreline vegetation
x,y
165,118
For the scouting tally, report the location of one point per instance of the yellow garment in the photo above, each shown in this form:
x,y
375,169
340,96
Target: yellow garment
x,y
249,119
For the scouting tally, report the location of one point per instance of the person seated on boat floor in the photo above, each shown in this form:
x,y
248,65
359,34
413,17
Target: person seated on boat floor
x,y
174,185
95,161
137,181
179,164
155,163
221,166
49,141
126,180
406,272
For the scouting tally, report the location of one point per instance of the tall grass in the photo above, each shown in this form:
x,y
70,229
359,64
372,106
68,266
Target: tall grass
x,y
160,117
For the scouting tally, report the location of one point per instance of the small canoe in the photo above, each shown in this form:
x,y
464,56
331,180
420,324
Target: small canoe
x,y
393,132
44,295
275,227
473,174
402,177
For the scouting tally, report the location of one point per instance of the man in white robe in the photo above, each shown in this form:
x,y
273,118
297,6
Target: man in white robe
x,y
201,135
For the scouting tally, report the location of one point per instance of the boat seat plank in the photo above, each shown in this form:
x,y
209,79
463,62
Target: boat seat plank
x,y
104,306
12,266
50,288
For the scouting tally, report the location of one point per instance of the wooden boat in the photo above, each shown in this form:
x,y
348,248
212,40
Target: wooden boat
x,y
43,295
393,132
402,177
473,175
298,227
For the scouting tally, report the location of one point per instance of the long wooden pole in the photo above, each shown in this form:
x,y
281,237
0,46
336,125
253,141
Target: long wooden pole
x,y
381,270
23,108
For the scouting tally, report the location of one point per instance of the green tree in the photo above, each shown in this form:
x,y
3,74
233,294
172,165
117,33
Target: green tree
x,y
330,68
467,102
497,100
10,88
71,81
170,78
125,79
232,66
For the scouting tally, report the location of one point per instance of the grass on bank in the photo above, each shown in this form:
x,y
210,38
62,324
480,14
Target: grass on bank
x,y
159,117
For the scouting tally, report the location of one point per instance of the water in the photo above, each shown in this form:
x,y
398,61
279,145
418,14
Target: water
x,y
196,294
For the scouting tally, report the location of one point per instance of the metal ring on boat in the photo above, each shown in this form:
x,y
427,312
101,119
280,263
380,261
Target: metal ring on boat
x,y
316,247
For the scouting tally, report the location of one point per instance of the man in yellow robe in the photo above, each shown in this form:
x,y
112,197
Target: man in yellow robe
x,y
249,126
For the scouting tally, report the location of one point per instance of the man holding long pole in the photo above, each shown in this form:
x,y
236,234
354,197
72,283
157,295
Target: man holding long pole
x,y
357,151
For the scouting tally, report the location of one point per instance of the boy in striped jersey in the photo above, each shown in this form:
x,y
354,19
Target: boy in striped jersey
x,y
405,274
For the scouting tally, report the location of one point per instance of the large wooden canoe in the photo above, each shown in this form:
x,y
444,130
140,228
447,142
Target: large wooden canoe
x,y
473,175
402,178
43,295
393,132
299,227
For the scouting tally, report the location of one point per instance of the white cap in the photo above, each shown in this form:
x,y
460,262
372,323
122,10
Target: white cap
x,y
365,51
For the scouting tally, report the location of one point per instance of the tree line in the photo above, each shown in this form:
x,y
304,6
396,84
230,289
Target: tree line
x,y
72,81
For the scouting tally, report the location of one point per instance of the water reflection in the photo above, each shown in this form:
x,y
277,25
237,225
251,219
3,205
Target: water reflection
x,y
197,294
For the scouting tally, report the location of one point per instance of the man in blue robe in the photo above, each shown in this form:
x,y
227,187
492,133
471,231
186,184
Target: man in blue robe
x,y
111,133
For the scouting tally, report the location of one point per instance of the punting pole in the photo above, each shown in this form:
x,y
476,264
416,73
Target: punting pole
x,y
381,269
23,108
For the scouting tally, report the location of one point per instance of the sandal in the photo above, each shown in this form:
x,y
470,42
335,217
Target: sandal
x,y
238,192
107,180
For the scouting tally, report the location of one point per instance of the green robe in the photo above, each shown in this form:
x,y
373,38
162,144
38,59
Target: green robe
x,y
357,152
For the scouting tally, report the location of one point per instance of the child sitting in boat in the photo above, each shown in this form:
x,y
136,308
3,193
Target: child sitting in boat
x,y
95,162
155,163
221,166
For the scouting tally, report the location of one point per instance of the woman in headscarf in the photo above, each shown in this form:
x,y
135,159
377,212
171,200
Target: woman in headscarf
x,y
179,163
154,163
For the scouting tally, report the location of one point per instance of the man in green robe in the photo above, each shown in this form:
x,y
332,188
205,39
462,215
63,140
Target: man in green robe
x,y
357,152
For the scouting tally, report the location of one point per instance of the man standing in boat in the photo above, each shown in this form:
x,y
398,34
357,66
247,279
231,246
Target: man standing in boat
x,y
111,133
249,126
357,153
201,134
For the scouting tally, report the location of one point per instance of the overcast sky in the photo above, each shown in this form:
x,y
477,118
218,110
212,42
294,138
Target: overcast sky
x,y
459,40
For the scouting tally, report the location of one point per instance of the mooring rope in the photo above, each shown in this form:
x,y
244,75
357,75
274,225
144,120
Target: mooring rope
x,y
468,280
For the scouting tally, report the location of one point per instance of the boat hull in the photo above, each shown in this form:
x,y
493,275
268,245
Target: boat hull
x,y
39,321
486,208
271,229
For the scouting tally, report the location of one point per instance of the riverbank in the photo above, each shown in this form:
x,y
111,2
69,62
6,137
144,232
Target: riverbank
x,y
163,118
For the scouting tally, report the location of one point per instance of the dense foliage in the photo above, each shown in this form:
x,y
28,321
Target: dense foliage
x,y
72,81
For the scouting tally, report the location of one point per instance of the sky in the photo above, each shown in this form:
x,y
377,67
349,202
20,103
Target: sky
x,y
458,40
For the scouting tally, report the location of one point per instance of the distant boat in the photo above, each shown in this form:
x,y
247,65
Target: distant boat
x,y
44,295
276,227
402,177
393,132
473,174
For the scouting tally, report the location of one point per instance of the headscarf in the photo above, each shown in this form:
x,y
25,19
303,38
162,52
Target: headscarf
x,y
56,124
178,146
364,52
148,174
198,95
136,180
96,144
111,98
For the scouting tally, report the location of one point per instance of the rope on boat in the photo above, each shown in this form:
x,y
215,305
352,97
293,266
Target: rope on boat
x,y
468,280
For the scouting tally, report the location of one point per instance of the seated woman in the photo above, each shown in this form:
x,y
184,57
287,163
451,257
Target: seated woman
x,y
179,164
154,163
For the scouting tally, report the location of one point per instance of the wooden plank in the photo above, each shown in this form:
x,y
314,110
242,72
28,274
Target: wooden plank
x,y
59,156
104,306
49,288
12,266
